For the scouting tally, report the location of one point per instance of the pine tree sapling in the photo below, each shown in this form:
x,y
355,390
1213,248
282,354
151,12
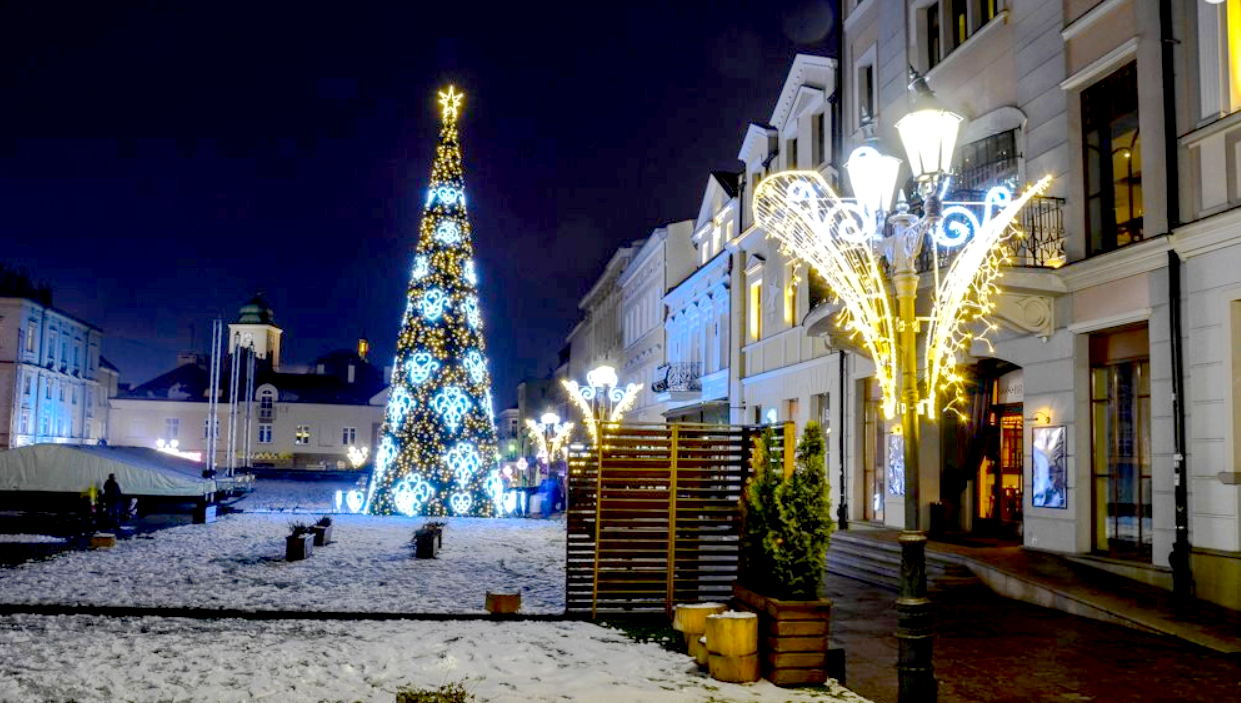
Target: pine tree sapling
x,y
759,514
787,522
437,450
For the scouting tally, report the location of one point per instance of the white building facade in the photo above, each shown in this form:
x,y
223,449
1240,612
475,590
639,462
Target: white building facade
x,y
295,420
699,381
598,339
53,382
665,258
1119,314
786,374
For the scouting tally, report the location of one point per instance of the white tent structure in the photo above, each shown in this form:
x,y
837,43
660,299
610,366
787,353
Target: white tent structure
x,y
71,468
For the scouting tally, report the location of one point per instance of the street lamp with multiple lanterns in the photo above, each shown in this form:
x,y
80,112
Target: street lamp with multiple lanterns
x,y
867,249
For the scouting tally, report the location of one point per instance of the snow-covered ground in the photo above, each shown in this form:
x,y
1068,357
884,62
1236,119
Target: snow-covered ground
x,y
238,562
95,659
283,495
31,539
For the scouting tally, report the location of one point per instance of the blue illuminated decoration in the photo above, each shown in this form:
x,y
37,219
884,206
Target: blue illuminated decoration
x,y
475,365
452,404
409,496
959,223
463,460
433,303
471,312
470,274
421,266
446,195
487,404
461,503
399,406
448,232
494,485
383,459
420,367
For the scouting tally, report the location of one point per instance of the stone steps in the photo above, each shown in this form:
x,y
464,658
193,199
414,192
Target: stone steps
x,y
879,564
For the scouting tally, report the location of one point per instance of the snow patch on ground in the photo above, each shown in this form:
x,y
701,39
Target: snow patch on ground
x,y
282,495
238,562
94,659
32,539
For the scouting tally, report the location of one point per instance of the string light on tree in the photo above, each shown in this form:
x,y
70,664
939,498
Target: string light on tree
x,y
437,451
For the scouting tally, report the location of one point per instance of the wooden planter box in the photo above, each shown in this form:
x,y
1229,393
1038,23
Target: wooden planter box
x,y
298,548
323,535
792,638
425,543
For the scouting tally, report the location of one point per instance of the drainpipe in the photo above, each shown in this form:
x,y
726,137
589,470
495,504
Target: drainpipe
x,y
1167,44
838,109
1182,570
842,513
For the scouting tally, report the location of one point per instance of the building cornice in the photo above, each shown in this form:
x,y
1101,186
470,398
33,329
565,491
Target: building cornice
x,y
1132,260
1102,66
1089,18
1208,234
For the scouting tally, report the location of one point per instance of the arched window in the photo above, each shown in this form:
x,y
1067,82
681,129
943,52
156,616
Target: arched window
x,y
267,402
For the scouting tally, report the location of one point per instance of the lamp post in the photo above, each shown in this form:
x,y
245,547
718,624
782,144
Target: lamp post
x,y
602,399
868,250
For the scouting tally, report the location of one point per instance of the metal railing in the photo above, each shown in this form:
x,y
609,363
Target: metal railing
x,y
1041,245
678,376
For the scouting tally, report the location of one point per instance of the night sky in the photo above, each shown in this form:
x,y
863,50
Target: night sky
x,y
159,165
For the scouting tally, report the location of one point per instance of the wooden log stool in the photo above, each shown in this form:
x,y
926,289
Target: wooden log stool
x,y
503,603
690,620
732,647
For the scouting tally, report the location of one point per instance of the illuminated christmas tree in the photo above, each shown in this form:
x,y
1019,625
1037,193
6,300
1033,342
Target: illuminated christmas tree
x,y
437,448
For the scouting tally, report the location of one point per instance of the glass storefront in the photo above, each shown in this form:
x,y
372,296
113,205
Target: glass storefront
x,y
1120,439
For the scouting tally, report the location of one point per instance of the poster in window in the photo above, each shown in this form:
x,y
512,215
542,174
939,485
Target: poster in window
x,y
1051,486
896,465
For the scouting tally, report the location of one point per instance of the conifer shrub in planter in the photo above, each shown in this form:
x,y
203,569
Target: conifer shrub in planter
x,y
786,528
427,539
452,692
300,542
322,531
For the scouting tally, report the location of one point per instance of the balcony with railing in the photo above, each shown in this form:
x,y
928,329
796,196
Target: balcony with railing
x,y
1041,244
678,381
1038,251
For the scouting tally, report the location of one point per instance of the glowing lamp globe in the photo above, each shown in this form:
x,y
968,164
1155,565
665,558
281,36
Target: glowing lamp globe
x,y
929,134
550,419
602,377
873,176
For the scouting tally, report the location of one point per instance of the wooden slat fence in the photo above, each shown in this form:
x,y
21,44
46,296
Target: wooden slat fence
x,y
654,517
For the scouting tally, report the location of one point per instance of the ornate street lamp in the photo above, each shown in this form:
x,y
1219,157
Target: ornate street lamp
x,y
868,253
602,399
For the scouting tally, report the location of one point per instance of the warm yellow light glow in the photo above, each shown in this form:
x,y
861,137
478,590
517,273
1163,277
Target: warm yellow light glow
x,y
593,407
538,434
756,309
358,456
1233,28
813,224
450,104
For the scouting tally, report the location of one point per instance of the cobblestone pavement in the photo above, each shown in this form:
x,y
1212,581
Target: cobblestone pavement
x,y
995,650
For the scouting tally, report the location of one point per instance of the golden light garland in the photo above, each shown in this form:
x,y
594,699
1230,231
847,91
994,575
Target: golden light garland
x,y
538,435
811,223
